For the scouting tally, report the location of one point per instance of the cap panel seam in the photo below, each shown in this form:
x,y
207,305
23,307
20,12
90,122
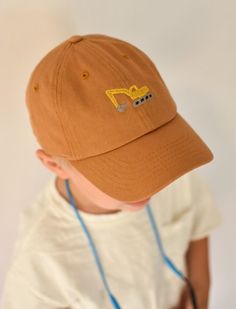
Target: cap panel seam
x,y
109,66
58,87
123,77
106,63
145,56
128,82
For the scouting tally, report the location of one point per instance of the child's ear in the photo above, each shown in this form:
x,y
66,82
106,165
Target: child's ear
x,y
52,165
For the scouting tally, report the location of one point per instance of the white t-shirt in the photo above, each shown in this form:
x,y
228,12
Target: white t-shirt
x,y
53,266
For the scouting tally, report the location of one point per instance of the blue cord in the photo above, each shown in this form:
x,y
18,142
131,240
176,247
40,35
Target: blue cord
x,y
168,262
92,246
159,243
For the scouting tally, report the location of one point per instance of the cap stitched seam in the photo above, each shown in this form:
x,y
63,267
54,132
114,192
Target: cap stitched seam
x,y
110,63
58,86
123,77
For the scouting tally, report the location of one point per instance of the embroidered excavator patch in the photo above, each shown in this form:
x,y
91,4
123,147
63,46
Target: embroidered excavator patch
x,y
138,95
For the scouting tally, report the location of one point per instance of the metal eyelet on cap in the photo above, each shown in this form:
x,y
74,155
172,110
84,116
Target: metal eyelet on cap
x,y
85,74
36,87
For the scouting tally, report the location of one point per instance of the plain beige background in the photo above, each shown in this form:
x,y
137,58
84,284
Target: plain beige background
x,y
193,46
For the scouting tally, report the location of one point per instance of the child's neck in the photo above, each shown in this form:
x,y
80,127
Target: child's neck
x,y
89,208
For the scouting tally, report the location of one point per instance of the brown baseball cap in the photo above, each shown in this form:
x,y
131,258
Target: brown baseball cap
x,y
100,102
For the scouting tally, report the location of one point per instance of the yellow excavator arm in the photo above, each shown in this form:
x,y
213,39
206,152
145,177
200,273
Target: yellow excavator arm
x,y
133,92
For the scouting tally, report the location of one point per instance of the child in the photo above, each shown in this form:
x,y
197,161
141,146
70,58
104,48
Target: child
x,y
120,156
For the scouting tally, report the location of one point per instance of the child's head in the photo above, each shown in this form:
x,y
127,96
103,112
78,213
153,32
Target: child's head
x,y
100,103
85,191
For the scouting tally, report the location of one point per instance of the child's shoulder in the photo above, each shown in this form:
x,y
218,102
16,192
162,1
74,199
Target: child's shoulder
x,y
42,229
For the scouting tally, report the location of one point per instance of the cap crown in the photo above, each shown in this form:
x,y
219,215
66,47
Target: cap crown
x,y
94,93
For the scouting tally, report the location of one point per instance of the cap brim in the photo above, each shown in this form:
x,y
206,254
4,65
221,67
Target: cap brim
x,y
144,166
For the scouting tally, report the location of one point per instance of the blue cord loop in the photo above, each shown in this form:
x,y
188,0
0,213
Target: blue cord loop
x,y
159,243
167,260
92,246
